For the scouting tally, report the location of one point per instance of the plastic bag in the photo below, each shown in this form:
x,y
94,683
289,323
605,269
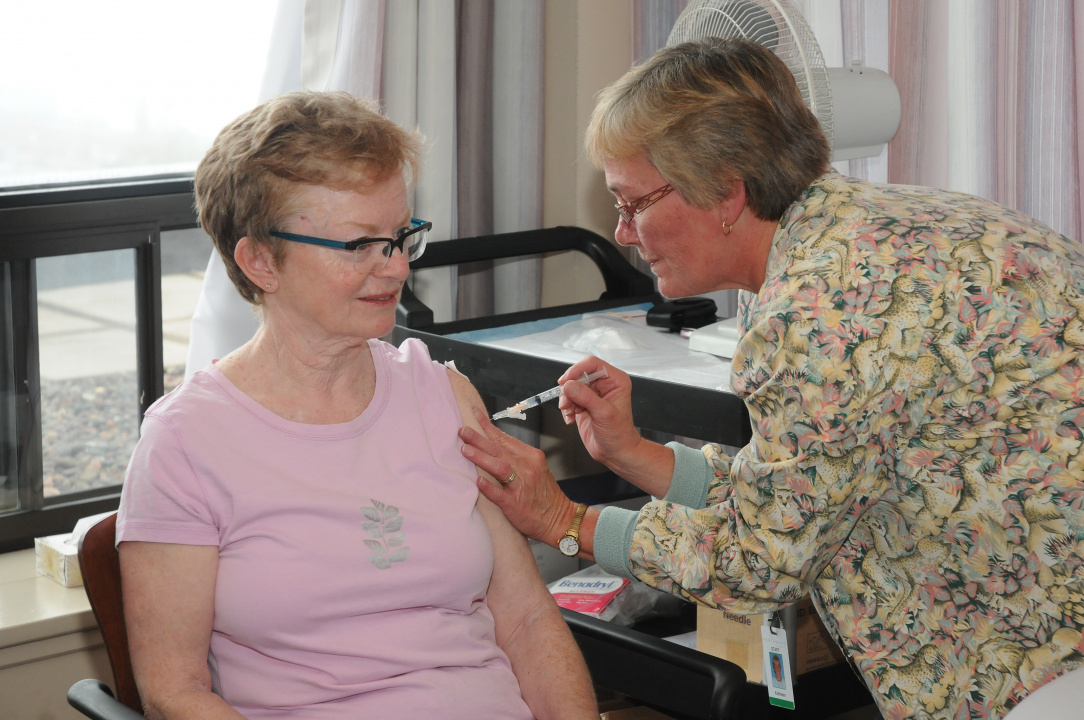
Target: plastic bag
x,y
594,592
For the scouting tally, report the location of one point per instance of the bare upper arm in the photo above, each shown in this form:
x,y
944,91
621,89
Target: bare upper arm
x,y
468,400
169,595
516,590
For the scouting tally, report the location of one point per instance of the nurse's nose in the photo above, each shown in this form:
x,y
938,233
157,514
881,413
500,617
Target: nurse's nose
x,y
625,233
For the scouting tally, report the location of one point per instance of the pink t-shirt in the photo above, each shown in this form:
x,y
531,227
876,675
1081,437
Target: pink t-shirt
x,y
353,564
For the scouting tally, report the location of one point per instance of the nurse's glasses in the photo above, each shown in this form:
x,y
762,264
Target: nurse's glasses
x,y
629,210
372,254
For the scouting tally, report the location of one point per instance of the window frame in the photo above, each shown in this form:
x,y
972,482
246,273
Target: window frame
x,y
67,220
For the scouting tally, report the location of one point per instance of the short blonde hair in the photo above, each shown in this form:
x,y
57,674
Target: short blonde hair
x,y
709,111
245,183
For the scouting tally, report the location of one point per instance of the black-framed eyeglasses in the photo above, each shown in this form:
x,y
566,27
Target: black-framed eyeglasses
x,y
630,210
372,254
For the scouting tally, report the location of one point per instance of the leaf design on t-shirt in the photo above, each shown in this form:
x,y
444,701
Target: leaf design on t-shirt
x,y
384,524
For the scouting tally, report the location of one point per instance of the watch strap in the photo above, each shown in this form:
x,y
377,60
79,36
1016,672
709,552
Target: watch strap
x,y
574,528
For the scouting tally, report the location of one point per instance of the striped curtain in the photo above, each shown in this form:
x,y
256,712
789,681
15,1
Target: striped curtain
x,y
991,95
469,75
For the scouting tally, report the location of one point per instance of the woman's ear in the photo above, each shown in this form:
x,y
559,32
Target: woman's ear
x,y
257,263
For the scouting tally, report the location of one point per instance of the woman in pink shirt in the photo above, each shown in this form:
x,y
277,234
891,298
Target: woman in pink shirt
x,y
299,533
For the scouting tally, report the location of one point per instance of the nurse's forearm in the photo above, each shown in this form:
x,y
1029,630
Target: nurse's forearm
x,y
649,466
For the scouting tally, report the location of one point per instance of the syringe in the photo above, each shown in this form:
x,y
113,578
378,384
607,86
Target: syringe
x,y
516,411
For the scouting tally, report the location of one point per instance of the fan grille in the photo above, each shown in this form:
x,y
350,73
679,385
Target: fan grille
x,y
776,24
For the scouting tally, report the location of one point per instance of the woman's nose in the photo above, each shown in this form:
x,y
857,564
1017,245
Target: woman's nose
x,y
397,266
624,234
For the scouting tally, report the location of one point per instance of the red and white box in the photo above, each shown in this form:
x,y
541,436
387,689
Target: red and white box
x,y
590,595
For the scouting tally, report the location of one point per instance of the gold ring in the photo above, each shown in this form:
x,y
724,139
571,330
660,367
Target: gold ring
x,y
510,478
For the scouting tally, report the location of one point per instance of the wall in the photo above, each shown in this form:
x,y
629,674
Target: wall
x,y
48,641
588,46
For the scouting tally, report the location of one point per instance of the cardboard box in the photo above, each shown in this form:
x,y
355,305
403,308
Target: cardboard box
x,y
58,559
737,638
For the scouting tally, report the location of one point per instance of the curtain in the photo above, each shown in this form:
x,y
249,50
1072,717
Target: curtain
x,y
469,75
223,320
499,146
518,84
990,102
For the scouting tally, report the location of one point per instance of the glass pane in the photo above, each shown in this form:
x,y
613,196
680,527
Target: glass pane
x,y
9,473
120,88
184,260
89,397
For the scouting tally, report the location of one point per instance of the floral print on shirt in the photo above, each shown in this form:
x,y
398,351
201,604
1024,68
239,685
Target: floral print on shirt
x,y
912,368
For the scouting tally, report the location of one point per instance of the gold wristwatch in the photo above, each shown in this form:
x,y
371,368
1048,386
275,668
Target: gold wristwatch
x,y
570,543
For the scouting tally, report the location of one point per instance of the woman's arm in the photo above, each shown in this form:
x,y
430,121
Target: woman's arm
x,y
602,412
169,593
529,627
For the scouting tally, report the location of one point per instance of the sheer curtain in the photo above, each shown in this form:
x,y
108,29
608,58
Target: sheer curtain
x,y
992,92
222,320
469,75
991,103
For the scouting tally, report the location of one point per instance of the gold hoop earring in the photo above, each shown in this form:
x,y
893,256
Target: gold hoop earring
x,y
728,228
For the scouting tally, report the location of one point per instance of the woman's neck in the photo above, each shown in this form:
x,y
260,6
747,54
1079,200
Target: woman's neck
x,y
303,380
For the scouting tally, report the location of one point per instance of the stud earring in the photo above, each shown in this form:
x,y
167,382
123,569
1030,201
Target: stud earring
x,y
268,286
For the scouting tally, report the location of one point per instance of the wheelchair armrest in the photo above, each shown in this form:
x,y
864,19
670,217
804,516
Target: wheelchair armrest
x,y
94,699
669,677
622,280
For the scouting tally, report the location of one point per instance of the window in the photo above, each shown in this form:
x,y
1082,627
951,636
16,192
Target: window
x,y
83,345
99,89
108,109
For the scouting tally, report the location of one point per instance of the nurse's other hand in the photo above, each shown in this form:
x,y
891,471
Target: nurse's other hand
x,y
532,502
602,412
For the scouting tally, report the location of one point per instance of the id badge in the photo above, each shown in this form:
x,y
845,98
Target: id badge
x,y
777,670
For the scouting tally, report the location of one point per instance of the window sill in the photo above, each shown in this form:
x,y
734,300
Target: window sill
x,y
35,608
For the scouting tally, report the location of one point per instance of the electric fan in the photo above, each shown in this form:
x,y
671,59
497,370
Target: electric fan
x,y
858,107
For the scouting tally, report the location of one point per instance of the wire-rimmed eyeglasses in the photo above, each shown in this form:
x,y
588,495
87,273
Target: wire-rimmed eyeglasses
x,y
372,254
630,210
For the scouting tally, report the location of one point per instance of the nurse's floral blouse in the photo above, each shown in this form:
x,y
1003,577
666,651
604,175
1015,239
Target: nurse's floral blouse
x,y
912,368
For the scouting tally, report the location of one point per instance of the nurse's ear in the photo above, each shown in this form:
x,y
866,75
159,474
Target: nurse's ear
x,y
730,208
257,263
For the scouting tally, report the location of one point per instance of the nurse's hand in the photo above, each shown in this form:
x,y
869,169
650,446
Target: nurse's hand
x,y
602,412
530,499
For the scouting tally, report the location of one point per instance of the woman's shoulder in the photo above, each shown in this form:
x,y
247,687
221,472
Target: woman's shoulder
x,y
411,350
196,389
412,356
197,401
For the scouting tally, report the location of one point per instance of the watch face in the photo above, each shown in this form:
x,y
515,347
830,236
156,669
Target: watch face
x,y
569,545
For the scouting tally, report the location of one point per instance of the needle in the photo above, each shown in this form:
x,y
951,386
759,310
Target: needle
x,y
516,411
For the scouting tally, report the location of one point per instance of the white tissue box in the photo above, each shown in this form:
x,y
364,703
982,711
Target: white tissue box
x,y
57,556
58,559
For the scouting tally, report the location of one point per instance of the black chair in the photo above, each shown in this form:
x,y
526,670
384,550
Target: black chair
x,y
94,699
668,677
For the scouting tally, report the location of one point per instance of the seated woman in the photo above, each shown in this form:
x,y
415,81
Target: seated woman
x,y
299,534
